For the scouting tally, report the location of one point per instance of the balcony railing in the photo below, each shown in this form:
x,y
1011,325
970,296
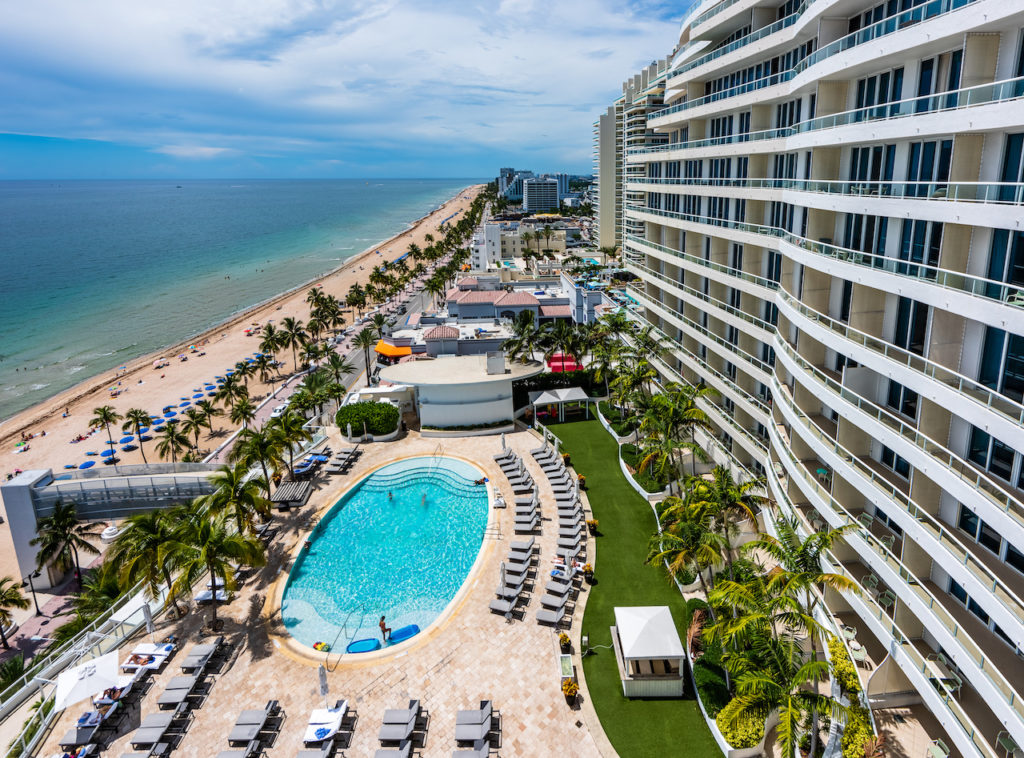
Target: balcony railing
x,y
1010,294
965,192
712,12
752,278
945,459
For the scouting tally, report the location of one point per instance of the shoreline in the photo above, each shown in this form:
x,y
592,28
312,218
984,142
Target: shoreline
x,y
22,421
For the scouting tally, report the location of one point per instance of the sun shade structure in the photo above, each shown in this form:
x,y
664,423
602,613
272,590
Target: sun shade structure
x,y
86,680
559,397
648,651
391,351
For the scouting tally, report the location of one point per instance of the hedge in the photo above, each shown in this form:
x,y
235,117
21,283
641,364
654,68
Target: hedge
x,y
380,418
469,427
632,456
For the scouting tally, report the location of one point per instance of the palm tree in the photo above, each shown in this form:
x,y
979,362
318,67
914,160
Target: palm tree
x,y
138,550
293,335
242,413
289,429
258,446
209,411
661,443
356,298
193,423
730,502
135,420
171,441
100,590
381,322
236,495
525,337
61,535
207,545
11,598
434,287
270,340
104,416
692,418
366,340
339,366
264,365
231,391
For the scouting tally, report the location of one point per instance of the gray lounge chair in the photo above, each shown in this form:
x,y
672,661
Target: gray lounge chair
x,y
575,530
178,690
527,527
555,600
480,749
570,542
404,750
515,556
503,607
525,513
200,655
512,587
397,732
549,617
530,499
324,751
479,716
504,455
472,732
251,722
557,587
152,729
251,749
524,545
402,715
517,566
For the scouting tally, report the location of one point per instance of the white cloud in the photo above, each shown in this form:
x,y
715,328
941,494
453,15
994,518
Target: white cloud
x,y
274,75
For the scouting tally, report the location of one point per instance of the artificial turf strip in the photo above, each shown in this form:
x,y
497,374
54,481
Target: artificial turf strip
x,y
636,727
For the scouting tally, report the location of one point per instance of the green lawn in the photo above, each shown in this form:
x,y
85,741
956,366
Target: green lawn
x,y
636,728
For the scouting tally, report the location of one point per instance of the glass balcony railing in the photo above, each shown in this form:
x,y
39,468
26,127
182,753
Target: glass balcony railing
x,y
955,553
879,29
1007,293
965,192
967,97
865,604
712,12
909,586
639,243
666,311
946,460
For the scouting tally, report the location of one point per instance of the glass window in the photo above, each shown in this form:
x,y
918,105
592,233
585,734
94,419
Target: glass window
x,y
968,522
977,610
988,537
958,592
1015,557
978,451
1001,463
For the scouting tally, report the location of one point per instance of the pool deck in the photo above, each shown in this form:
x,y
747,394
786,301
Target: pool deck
x,y
468,655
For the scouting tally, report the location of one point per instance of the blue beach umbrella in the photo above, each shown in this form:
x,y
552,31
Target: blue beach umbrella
x,y
170,414
70,465
88,464
186,404
157,422
144,438
110,442
250,360
143,429
129,448
107,453
126,439
197,396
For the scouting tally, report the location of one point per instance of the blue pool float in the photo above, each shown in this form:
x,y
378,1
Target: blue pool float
x,y
401,635
363,646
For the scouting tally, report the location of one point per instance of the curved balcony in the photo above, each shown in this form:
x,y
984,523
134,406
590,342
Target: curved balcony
x,y
967,398
950,714
927,531
988,680
948,470
757,328
966,97
758,368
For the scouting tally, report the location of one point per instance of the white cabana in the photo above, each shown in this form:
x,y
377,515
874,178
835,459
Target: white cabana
x,y
86,680
649,652
559,397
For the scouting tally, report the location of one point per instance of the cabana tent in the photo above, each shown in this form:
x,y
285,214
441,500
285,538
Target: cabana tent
x,y
648,651
559,397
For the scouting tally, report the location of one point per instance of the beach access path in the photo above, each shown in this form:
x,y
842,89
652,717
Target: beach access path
x,y
142,386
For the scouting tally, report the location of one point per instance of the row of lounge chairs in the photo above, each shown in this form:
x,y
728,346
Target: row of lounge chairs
x,y
401,725
250,729
343,460
516,572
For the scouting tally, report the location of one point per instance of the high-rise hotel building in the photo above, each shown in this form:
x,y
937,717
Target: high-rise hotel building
x,y
832,237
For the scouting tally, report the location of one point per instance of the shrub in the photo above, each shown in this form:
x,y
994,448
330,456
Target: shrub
x,y
632,456
745,732
469,427
620,424
380,418
857,732
710,681
843,669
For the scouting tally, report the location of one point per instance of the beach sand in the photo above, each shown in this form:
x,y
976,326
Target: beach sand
x,y
151,389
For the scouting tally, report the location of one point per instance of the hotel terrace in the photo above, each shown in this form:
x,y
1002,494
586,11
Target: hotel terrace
x,y
829,236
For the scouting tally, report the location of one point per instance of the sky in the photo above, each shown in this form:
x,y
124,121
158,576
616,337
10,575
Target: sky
x,y
314,88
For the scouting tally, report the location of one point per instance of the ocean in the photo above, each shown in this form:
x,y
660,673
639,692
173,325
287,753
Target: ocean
x,y
97,273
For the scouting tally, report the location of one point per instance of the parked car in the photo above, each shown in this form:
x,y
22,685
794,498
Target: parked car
x,y
279,410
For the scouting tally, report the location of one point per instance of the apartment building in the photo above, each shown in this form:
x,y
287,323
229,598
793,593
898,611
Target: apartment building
x,y
607,157
540,195
832,237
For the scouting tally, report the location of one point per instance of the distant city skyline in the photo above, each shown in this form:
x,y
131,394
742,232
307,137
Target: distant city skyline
x,y
281,89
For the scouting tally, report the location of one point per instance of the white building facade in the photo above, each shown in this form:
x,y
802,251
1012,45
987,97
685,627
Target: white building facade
x,y
832,240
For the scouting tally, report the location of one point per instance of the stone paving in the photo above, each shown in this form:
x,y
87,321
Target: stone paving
x,y
463,658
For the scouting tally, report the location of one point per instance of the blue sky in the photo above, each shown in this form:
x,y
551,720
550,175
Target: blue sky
x,y
297,88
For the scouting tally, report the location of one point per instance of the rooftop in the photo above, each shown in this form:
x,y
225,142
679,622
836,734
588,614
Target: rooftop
x,y
459,369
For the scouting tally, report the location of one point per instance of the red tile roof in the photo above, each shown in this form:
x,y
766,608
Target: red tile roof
x,y
469,281
479,296
453,293
556,311
517,298
442,332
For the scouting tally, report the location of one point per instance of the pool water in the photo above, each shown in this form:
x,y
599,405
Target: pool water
x,y
398,544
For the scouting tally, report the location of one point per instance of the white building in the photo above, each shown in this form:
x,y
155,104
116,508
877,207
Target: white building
x,y
831,239
486,249
540,195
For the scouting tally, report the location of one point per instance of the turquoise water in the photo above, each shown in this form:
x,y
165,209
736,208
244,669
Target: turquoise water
x,y
96,273
404,556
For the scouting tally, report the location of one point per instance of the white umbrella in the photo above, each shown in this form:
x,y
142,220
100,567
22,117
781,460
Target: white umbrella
x,y
321,673
556,443
503,441
85,680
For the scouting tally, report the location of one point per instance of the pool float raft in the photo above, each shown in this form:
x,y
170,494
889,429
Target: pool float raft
x,y
363,646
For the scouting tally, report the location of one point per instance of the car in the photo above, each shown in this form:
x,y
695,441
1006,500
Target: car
x,y
279,410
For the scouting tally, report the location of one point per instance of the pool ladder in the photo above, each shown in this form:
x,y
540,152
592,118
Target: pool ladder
x,y
344,626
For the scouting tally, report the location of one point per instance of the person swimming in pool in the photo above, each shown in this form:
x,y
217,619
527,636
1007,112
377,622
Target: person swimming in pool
x,y
385,630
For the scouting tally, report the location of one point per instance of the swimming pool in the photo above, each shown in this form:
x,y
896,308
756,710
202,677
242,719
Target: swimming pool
x,y
400,544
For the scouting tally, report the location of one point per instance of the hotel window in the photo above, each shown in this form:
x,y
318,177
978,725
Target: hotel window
x,y
787,114
902,399
939,74
1002,363
672,170
693,169
883,517
865,233
721,127
774,268
993,456
1006,260
732,335
788,8
881,11
771,313
895,462
1013,165
744,125
727,404
911,325
879,89
872,164
654,170
929,165
736,256
782,215
784,166
979,531
735,298
920,242
846,301
957,591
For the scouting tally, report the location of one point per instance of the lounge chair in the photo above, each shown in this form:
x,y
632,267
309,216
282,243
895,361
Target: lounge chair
x,y
530,499
522,488
201,655
553,600
397,732
404,750
511,589
570,521
576,530
251,722
178,690
324,723
505,455
154,655
472,732
480,749
522,527
524,546
152,729
251,750
504,606
525,517
551,617
326,750
542,449
558,587
570,542
515,556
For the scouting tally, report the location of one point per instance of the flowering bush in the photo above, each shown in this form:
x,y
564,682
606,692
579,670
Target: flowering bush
x,y
570,688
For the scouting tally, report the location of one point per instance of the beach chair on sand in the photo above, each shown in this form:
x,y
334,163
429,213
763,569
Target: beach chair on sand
x,y
524,546
504,606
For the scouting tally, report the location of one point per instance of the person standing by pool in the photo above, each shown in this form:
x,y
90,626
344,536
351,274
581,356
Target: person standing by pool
x,y
385,630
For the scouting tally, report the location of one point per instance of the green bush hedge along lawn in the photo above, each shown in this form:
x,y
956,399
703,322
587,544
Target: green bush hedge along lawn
x,y
380,418
632,456
615,420
635,727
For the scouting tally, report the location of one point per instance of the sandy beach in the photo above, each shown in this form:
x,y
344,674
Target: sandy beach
x,y
142,386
